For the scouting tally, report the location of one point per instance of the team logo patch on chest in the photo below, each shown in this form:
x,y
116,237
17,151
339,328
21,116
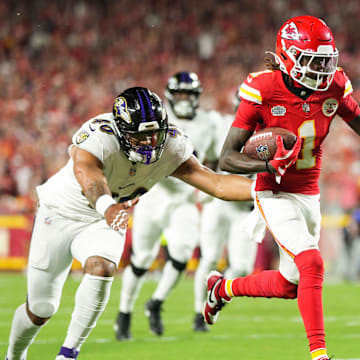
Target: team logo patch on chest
x,y
263,152
81,136
329,107
278,110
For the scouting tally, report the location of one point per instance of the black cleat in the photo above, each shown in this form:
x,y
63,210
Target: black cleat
x,y
199,324
152,311
122,327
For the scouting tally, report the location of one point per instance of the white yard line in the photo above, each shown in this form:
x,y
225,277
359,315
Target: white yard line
x,y
177,338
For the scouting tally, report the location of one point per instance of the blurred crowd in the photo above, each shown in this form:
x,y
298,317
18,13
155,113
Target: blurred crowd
x,y
63,62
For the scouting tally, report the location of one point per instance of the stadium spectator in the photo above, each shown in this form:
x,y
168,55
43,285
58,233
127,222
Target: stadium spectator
x,y
53,55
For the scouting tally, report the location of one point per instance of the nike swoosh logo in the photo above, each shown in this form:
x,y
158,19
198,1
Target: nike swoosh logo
x,y
281,170
210,296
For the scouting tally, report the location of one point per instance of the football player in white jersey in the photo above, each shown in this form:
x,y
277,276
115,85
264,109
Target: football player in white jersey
x,y
169,209
114,158
222,223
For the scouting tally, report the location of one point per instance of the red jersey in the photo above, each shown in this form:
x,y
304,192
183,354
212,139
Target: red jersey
x,y
267,102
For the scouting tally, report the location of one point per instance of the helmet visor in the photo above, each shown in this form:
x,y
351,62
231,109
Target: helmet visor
x,y
319,63
314,70
146,146
146,138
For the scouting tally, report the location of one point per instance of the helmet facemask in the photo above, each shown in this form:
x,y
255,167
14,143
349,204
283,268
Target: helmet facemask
x,y
184,104
144,146
313,70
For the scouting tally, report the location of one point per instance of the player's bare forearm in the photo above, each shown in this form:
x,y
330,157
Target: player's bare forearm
x,y
94,188
237,163
225,187
88,172
232,160
232,187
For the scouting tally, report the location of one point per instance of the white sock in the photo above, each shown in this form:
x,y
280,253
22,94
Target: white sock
x,y
168,280
200,288
130,288
22,334
90,301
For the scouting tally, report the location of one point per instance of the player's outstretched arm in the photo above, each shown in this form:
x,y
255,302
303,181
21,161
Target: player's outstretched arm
x,y
89,173
226,187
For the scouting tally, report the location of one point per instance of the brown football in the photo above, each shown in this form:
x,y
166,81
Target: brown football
x,y
262,144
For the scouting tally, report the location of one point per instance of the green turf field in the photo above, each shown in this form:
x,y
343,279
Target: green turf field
x,y
251,329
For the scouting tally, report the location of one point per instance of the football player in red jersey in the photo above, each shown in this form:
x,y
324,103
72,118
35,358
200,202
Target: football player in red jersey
x,y
302,91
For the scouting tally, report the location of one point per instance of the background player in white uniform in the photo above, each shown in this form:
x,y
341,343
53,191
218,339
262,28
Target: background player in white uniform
x,y
222,223
82,211
169,209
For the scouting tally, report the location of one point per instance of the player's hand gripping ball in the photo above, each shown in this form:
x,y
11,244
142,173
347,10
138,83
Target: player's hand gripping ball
x,y
262,145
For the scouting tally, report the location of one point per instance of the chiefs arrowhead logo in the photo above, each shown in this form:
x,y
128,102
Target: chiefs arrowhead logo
x,y
290,32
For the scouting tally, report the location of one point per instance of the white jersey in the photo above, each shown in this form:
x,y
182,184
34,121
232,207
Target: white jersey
x,y
202,132
63,193
223,131
222,128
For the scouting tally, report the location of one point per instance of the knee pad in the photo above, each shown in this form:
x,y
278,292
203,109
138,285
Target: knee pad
x,y
177,264
138,271
43,309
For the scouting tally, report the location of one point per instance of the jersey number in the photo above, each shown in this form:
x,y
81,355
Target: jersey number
x,y
308,133
104,127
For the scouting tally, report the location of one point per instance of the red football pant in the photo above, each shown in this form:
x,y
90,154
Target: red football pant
x,y
268,283
311,269
309,292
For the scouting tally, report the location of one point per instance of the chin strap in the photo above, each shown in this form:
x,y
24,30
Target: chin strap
x,y
147,151
134,156
139,154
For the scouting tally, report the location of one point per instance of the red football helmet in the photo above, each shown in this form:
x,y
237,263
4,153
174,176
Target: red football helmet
x,y
305,50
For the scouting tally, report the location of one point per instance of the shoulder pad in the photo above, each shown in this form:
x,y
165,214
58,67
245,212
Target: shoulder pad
x,y
175,131
341,80
251,89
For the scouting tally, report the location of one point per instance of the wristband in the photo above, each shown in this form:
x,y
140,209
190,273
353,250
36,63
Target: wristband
x,y
267,167
103,203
